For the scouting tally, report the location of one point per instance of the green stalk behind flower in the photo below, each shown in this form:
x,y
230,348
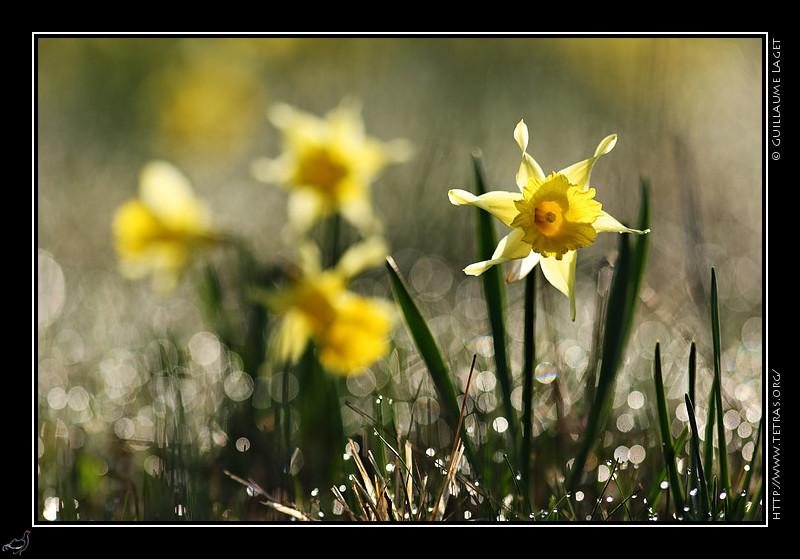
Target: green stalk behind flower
x,y
431,355
494,293
622,299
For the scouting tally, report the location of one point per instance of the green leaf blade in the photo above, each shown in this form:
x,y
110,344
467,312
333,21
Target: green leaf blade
x,y
428,350
622,302
667,443
715,333
494,294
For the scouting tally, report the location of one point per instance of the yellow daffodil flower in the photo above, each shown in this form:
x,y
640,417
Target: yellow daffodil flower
x,y
550,218
328,165
156,233
351,332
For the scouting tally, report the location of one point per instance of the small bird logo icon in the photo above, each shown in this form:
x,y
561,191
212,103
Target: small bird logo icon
x,y
18,545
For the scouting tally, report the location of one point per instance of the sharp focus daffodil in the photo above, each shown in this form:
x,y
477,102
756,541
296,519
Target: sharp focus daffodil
x,y
328,165
550,218
156,233
351,332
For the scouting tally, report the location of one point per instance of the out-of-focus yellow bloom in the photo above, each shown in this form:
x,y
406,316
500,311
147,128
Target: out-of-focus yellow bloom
x,y
351,332
156,233
207,105
328,165
550,218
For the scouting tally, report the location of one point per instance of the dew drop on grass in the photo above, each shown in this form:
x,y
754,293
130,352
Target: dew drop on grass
x,y
545,372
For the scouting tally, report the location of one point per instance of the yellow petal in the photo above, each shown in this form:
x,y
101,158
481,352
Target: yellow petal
x,y
561,274
579,173
606,223
287,117
499,203
479,267
605,145
361,214
521,134
522,267
145,247
510,247
528,167
304,208
270,170
291,338
357,337
361,256
167,192
309,259
134,226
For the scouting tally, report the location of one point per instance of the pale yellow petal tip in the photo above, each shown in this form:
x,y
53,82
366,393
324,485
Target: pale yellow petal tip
x,y
606,145
280,113
521,134
456,196
475,269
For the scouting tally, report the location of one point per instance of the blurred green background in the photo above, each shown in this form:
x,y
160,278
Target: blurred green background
x,y
688,114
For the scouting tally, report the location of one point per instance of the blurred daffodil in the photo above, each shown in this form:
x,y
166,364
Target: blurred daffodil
x,y
550,218
328,165
207,105
156,233
351,332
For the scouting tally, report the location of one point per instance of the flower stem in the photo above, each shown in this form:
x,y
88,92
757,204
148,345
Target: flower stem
x,y
333,232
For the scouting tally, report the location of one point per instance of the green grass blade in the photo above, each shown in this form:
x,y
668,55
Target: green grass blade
x,y
667,444
529,355
749,477
639,255
319,411
708,454
607,378
429,351
655,493
494,294
755,505
739,511
622,303
692,371
697,468
695,459
723,453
